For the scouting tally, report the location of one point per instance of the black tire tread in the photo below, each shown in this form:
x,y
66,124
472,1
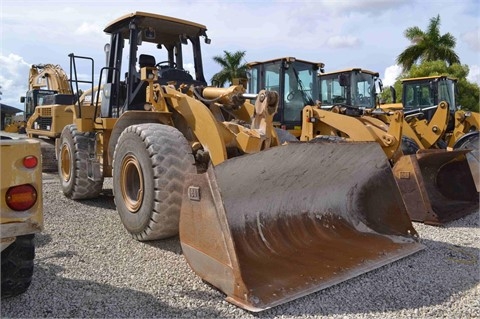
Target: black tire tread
x,y
83,187
171,158
17,266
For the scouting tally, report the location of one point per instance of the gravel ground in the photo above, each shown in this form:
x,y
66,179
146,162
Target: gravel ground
x,y
88,266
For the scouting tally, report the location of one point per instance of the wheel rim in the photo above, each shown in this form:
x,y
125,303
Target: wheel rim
x,y
66,165
131,183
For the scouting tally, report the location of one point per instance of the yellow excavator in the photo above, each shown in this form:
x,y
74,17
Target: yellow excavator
x,y
207,163
345,108
47,85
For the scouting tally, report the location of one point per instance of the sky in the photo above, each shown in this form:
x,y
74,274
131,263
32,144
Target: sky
x,y
368,34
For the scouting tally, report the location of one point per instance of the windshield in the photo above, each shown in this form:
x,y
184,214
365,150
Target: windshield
x,y
417,95
331,92
294,82
351,88
446,92
362,85
298,93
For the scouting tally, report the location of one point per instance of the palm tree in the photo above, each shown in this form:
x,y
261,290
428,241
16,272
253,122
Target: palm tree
x,y
428,46
232,67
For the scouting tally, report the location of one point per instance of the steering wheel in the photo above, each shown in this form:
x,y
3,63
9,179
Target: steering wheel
x,y
165,64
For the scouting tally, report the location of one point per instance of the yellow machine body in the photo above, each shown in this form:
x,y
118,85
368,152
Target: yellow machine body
x,y
256,218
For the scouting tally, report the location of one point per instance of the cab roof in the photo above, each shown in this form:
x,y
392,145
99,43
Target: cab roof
x,y
166,29
360,70
426,78
288,59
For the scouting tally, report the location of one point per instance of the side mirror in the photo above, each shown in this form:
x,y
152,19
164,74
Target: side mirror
x,y
394,94
22,99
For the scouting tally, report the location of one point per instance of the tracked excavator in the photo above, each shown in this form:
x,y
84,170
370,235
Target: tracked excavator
x,y
346,109
48,94
206,163
47,85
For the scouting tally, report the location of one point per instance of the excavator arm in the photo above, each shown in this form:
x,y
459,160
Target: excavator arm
x,y
49,77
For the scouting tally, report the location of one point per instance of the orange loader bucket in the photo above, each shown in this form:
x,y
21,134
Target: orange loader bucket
x,y
277,225
437,185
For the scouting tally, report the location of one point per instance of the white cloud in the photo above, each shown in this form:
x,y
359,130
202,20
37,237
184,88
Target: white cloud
x,y
369,7
14,72
88,28
472,39
391,74
343,41
190,67
474,74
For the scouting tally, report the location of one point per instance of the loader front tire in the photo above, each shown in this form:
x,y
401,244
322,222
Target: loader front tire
x,y
17,266
470,141
149,167
409,146
73,159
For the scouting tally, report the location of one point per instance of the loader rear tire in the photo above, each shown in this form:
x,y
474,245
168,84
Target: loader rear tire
x,y
72,164
17,266
149,167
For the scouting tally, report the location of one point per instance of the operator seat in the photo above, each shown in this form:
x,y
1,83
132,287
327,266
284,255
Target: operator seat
x,y
145,60
139,94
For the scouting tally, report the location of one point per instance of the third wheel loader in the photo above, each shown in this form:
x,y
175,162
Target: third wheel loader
x,y
256,219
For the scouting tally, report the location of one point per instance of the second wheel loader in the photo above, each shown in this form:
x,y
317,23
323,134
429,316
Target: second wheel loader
x,y
345,109
206,163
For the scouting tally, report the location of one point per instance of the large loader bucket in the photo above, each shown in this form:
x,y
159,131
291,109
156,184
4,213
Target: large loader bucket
x,y
437,185
471,141
277,225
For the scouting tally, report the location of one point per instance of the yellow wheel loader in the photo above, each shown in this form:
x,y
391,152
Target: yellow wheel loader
x,y
446,184
207,163
345,108
21,212
435,124
435,119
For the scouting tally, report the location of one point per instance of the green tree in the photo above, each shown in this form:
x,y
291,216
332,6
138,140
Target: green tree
x,y
428,45
468,92
232,67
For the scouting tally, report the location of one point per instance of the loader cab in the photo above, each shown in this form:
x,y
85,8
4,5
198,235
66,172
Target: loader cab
x,y
295,82
424,94
354,88
148,40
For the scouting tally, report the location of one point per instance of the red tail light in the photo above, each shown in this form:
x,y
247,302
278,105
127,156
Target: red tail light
x,y
21,197
30,161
